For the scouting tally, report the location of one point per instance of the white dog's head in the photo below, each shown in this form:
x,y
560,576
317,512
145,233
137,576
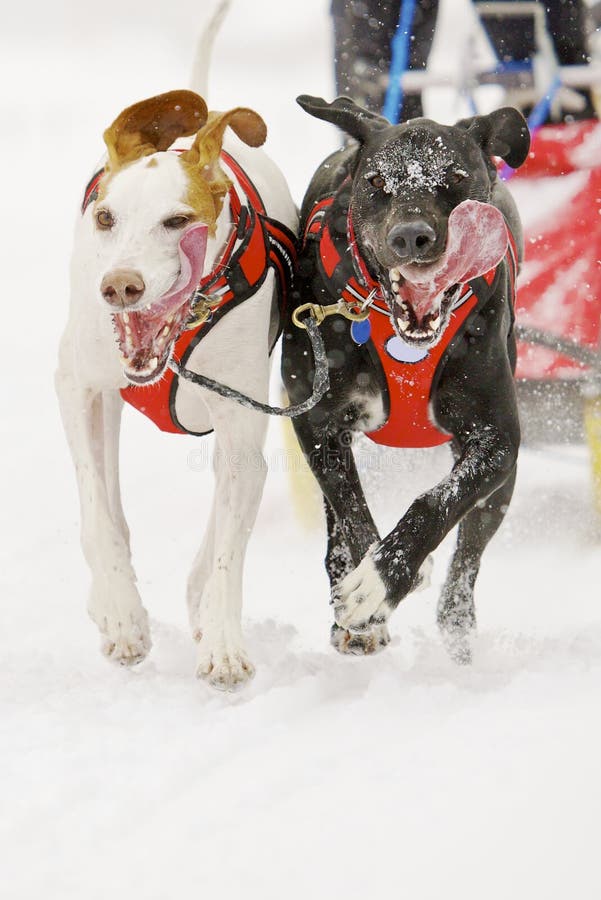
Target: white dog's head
x,y
153,215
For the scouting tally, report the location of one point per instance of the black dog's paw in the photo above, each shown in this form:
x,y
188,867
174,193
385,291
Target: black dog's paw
x,y
459,647
457,624
368,594
361,598
365,644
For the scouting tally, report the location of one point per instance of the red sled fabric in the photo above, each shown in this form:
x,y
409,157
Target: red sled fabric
x,y
558,192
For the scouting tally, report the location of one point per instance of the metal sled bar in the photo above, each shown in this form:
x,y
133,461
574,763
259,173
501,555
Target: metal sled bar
x,y
586,356
570,76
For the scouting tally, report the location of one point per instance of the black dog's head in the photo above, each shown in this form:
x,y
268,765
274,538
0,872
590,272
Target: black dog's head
x,y
407,181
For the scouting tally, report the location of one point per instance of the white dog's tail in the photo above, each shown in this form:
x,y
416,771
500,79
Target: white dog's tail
x,y
200,70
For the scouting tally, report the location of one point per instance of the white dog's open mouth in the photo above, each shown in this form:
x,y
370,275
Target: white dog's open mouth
x,y
146,336
422,296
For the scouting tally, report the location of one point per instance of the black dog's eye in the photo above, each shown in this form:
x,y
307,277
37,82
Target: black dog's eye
x,y
457,177
104,219
176,221
377,181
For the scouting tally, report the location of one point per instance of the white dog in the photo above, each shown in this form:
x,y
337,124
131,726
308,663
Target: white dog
x,y
201,233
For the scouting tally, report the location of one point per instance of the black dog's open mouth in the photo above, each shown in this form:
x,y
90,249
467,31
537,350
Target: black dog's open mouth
x,y
421,296
428,330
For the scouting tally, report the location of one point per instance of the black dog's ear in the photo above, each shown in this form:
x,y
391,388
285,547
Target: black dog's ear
x,y
503,133
344,113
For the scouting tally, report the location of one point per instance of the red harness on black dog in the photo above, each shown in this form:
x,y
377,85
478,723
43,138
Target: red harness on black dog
x,y
256,244
411,372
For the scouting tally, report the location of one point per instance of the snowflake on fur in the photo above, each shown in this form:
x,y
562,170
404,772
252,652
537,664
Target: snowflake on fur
x,y
414,163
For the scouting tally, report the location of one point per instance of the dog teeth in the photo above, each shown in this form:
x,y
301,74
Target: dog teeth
x,y
434,323
396,287
127,329
153,363
395,275
126,317
165,331
403,324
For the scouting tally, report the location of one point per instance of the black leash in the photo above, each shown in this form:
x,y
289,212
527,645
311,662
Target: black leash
x,y
321,380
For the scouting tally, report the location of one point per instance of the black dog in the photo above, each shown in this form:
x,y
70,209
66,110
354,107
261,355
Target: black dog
x,y
387,226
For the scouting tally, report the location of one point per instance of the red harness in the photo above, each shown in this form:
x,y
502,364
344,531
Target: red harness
x,y
411,374
256,244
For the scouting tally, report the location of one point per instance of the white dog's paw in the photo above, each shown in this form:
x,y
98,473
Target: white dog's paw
x,y
126,642
117,610
360,598
223,664
368,642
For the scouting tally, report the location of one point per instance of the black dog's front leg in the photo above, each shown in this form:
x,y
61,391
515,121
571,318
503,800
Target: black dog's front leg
x,y
351,529
339,562
390,569
456,612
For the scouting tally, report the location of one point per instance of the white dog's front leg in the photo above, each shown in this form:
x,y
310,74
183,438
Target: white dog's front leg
x,y
201,569
240,476
91,419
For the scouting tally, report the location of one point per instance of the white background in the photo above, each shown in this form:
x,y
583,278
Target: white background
x,y
396,776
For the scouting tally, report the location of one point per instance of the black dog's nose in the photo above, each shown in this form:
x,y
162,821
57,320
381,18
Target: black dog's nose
x,y
411,240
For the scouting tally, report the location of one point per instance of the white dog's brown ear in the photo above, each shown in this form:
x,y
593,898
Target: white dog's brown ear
x,y
202,159
153,125
246,123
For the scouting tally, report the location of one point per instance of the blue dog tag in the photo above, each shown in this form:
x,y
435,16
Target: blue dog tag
x,y
361,331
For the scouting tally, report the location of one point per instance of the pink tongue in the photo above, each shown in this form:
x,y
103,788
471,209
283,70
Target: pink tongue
x,y
476,243
145,324
192,250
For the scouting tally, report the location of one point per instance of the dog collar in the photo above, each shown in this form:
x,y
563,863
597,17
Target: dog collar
x,y
359,264
360,289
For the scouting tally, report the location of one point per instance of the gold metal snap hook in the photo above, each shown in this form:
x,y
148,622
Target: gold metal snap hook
x,y
314,309
319,312
202,307
360,316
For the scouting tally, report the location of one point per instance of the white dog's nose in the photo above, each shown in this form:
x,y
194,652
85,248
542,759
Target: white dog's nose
x,y
122,287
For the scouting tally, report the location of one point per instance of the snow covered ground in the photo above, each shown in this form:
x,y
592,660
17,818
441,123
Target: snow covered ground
x,y
399,775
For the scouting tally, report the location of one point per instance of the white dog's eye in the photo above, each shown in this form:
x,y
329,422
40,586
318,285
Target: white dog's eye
x,y
457,176
104,219
176,221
